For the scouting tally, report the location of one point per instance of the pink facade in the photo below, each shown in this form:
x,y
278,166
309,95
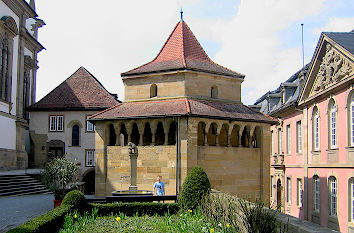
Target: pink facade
x,y
314,180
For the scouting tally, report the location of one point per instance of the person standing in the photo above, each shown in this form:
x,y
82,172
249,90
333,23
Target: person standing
x,y
159,187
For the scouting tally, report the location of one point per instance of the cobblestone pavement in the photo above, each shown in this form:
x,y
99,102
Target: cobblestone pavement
x,y
18,209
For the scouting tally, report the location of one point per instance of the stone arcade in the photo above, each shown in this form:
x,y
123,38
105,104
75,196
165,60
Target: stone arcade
x,y
183,110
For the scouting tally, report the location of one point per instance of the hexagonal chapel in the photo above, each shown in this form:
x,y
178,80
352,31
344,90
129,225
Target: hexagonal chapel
x,y
182,110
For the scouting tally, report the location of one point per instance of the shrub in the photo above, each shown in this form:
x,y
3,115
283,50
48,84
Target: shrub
x,y
75,198
131,209
194,188
49,222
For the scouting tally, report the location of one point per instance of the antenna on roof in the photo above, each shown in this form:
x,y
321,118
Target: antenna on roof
x,y
181,14
302,42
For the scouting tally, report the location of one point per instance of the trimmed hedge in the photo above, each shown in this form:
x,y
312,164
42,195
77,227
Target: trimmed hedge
x,y
49,222
131,209
195,186
76,199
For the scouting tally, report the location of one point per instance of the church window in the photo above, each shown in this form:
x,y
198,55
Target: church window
x,y
153,90
214,92
4,71
75,137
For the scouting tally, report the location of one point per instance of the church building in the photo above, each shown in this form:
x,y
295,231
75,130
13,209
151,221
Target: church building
x,y
183,110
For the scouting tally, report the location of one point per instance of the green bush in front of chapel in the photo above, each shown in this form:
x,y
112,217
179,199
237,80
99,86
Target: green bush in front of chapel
x,y
194,188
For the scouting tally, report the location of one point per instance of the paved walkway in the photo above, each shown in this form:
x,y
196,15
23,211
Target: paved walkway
x,y
19,209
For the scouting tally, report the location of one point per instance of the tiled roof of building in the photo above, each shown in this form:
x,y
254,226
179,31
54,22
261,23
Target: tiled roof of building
x,y
181,107
81,91
345,39
284,96
182,51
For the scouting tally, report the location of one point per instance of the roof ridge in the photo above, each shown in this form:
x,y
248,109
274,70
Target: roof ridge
x,y
183,47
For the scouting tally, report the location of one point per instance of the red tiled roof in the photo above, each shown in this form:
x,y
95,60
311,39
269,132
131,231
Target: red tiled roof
x,y
80,91
182,51
178,107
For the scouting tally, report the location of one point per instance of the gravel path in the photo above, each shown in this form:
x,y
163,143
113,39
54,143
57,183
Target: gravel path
x,y
18,209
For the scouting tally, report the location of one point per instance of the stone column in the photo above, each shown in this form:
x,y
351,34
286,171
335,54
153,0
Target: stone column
x,y
229,138
117,131
240,138
250,138
133,154
166,125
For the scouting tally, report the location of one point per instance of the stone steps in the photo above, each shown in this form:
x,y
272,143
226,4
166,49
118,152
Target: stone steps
x,y
15,185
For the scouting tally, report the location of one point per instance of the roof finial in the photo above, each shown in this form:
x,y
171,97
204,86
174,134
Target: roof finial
x,y
181,14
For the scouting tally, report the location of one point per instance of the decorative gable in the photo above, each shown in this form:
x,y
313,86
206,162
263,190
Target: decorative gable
x,y
334,67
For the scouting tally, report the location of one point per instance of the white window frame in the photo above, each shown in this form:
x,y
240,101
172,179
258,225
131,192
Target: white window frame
x,y
288,189
52,123
298,137
352,199
89,126
271,185
288,139
317,193
60,123
333,194
280,141
333,126
272,134
316,131
90,162
352,120
299,191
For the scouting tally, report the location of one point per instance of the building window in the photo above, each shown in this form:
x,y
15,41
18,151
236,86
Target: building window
x,y
75,139
288,189
56,123
316,194
333,124
298,137
299,192
272,148
352,198
280,143
89,126
271,186
4,71
153,90
214,92
90,158
351,109
288,139
333,196
316,129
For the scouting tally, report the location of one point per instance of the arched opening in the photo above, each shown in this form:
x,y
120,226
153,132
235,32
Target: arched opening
x,y
153,90
160,134
212,134
112,136
201,133
235,137
123,135
278,194
214,92
89,179
147,136
172,133
256,138
223,135
135,134
75,136
245,137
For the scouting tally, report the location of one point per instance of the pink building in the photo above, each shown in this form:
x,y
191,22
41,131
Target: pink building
x,y
312,165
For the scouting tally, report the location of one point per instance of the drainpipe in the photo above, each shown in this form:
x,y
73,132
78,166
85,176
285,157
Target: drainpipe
x,y
178,145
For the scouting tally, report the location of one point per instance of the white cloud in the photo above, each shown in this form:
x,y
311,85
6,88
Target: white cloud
x,y
336,25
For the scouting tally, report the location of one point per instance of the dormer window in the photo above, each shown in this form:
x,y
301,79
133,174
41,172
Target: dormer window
x,y
153,90
214,92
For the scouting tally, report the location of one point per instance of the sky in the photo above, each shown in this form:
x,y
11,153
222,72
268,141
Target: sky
x,y
258,38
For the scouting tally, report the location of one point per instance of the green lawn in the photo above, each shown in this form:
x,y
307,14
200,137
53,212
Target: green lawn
x,y
185,222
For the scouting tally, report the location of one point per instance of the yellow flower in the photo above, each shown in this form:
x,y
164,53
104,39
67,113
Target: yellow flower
x,y
118,219
227,225
75,216
212,230
190,211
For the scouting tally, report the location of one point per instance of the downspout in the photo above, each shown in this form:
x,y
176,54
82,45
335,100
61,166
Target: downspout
x,y
178,145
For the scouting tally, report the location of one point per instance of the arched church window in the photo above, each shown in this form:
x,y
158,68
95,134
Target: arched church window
x,y
4,70
214,92
153,90
75,139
